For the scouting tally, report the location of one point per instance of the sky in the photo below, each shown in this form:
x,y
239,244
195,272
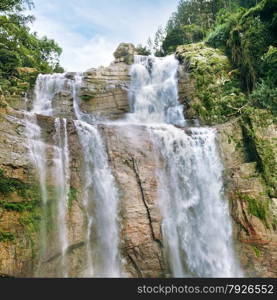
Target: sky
x,y
89,31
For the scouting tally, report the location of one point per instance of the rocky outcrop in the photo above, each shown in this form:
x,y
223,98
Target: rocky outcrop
x,y
125,53
213,91
252,208
105,91
248,149
19,201
133,161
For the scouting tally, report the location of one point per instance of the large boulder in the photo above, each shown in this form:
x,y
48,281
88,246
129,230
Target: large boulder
x,y
125,53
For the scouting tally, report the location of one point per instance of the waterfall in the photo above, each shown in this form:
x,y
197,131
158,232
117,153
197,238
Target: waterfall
x,y
99,186
37,151
99,190
196,225
61,175
100,197
46,88
154,93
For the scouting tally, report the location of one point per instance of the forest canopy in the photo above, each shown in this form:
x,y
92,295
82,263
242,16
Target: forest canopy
x,y
245,30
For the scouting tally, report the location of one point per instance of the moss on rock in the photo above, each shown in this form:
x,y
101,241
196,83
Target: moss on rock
x,y
261,133
22,200
217,94
6,236
72,196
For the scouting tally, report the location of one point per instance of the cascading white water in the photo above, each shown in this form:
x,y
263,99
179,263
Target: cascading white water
x,y
100,197
47,87
196,224
154,93
37,151
61,175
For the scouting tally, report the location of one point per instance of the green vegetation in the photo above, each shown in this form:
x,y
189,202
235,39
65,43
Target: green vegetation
x,y
248,38
230,51
257,207
86,97
23,54
259,147
31,220
26,191
142,50
244,31
195,20
18,206
257,251
217,94
9,185
28,207
6,236
72,196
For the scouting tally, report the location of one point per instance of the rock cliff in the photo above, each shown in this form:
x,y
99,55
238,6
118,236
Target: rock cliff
x,y
248,148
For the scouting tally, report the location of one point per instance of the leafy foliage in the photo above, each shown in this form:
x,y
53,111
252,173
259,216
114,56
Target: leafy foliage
x,y
245,30
21,49
142,50
12,185
14,5
186,34
246,36
217,95
265,96
6,236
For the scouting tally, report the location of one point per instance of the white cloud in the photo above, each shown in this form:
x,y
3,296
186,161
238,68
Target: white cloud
x,y
97,51
79,53
90,32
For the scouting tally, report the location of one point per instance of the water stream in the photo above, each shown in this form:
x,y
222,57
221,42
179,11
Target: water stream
x,y
99,190
196,225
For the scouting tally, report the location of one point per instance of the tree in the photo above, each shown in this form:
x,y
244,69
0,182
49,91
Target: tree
x,y
194,19
22,50
15,5
158,41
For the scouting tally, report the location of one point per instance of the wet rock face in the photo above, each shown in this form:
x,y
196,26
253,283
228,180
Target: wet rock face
x,y
105,91
133,162
18,198
252,209
20,202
